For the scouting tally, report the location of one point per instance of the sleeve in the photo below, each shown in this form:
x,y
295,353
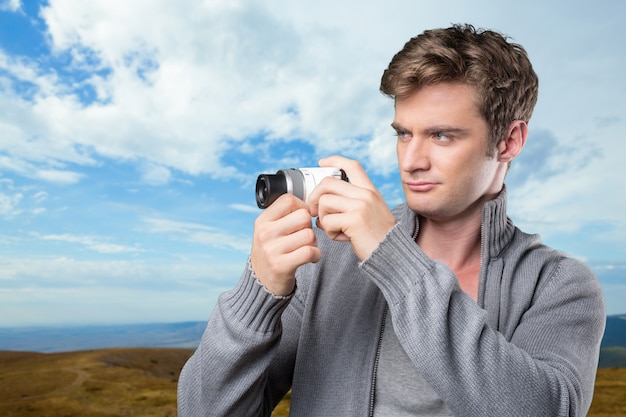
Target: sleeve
x,y
545,366
243,365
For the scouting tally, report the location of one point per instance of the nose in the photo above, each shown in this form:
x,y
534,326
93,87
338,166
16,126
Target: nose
x,y
413,155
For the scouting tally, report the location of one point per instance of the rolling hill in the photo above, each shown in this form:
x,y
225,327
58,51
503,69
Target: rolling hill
x,y
72,379
111,382
141,382
137,382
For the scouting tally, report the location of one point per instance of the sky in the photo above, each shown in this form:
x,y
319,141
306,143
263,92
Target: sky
x,y
132,133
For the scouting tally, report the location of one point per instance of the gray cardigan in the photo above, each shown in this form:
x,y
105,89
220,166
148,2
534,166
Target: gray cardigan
x,y
528,347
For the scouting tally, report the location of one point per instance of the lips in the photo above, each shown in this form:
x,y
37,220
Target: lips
x,y
420,186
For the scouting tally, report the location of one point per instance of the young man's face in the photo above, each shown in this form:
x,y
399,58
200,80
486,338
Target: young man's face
x,y
442,152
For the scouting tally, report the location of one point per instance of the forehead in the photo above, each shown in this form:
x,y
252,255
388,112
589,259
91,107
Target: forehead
x,y
439,103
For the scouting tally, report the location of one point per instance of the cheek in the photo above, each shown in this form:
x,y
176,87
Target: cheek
x,y
467,168
479,173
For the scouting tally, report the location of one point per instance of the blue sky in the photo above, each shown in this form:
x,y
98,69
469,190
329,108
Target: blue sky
x,y
131,135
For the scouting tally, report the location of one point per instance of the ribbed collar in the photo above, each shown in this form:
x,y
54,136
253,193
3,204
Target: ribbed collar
x,y
496,229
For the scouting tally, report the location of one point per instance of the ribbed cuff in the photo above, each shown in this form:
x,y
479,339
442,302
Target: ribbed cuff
x,y
253,305
397,265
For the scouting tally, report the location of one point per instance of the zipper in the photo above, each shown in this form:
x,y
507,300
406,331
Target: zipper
x,y
484,255
376,361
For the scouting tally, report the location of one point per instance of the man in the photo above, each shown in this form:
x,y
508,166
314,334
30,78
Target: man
x,y
441,307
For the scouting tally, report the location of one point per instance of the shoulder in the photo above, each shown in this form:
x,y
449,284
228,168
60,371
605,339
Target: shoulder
x,y
552,270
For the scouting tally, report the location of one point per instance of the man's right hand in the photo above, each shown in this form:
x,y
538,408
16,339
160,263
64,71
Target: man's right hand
x,y
283,240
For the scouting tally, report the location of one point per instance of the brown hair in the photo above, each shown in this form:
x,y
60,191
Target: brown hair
x,y
500,72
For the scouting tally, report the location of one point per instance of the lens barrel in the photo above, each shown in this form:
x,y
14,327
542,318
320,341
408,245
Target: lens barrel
x,y
269,187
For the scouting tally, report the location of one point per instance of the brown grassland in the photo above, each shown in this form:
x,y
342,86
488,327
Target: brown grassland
x,y
142,382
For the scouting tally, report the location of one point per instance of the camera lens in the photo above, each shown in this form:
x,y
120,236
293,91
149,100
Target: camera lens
x,y
269,187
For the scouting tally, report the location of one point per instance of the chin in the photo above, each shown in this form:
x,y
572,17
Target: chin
x,y
421,208
428,208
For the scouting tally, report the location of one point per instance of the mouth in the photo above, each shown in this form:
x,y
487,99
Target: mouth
x,y
420,186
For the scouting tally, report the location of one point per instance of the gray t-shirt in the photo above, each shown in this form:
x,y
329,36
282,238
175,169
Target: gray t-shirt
x,y
400,389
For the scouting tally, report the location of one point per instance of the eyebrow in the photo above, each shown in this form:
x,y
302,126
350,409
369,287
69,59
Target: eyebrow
x,y
397,126
434,129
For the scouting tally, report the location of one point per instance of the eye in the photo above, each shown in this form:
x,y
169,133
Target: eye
x,y
442,137
403,134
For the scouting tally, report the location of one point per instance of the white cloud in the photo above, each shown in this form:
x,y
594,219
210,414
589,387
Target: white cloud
x,y
199,233
93,243
69,272
40,197
10,199
57,176
10,5
15,200
180,86
245,208
381,150
106,304
153,174
73,291
28,169
580,190
9,204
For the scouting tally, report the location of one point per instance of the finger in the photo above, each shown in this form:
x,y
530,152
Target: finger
x,y
306,254
333,233
339,215
286,264
331,206
267,230
353,169
294,241
332,226
283,256
343,191
285,204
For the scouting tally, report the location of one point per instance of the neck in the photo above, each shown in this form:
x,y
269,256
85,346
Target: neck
x,y
455,243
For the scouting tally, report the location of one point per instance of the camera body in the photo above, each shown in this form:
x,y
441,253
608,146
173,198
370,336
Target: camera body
x,y
299,182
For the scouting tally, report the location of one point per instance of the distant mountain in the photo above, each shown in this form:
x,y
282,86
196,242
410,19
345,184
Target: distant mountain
x,y
612,357
615,333
613,346
187,335
64,339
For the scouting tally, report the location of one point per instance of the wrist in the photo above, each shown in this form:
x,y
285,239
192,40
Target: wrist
x,y
278,288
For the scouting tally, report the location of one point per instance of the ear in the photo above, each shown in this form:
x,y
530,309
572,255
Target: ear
x,y
513,142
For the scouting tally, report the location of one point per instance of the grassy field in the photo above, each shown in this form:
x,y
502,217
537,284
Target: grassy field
x,y
116,382
609,397
141,382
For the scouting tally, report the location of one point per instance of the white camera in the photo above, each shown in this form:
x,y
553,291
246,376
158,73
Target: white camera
x,y
299,182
